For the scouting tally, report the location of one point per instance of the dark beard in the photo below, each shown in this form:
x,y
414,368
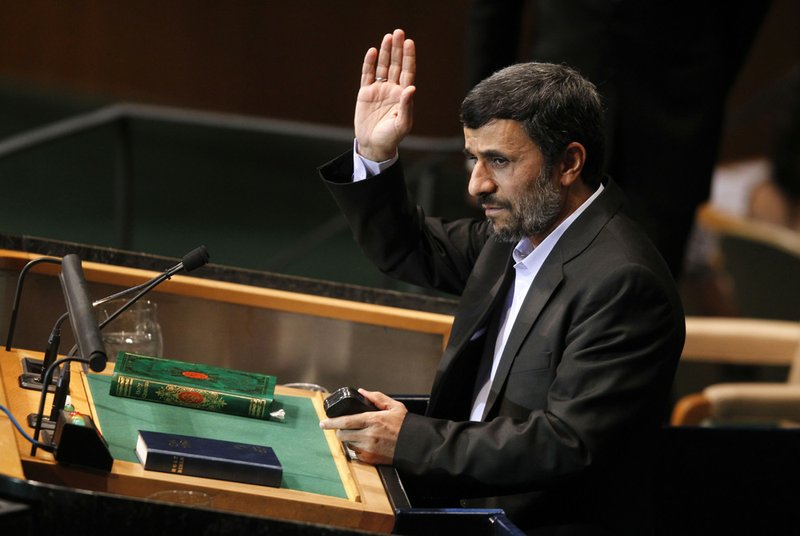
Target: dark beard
x,y
530,215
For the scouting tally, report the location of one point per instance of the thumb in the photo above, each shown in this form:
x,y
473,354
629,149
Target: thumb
x,y
405,114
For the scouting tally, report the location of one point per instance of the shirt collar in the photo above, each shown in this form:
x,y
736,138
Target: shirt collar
x,y
525,247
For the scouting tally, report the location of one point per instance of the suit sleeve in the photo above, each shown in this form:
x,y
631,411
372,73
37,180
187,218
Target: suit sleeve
x,y
395,234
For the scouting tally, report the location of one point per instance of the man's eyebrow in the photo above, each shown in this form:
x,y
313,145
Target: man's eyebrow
x,y
490,153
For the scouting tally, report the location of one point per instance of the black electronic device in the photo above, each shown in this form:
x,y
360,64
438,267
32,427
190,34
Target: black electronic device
x,y
346,401
78,442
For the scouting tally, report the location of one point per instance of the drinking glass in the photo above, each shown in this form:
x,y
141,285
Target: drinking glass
x,y
136,330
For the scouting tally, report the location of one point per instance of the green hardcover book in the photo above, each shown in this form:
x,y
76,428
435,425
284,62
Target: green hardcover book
x,y
192,385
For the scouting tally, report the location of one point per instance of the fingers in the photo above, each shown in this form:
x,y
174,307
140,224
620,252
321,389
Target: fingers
x,y
380,400
395,61
385,57
409,61
359,421
346,422
396,64
368,67
368,446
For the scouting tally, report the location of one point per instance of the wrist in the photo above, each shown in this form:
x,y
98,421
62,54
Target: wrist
x,y
364,168
376,154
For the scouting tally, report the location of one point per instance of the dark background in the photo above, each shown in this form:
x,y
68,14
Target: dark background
x,y
254,199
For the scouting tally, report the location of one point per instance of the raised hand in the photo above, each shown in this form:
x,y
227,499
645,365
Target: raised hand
x,y
384,108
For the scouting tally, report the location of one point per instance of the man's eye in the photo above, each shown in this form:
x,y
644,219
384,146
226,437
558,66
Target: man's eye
x,y
499,161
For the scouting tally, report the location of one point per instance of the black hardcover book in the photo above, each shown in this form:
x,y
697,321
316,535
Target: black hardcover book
x,y
209,458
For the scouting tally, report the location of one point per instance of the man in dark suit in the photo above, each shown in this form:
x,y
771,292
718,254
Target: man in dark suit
x,y
557,373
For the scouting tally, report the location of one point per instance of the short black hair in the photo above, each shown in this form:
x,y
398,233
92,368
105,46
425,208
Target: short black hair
x,y
555,105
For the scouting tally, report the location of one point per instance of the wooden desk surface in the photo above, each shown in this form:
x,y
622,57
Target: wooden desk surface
x,y
366,508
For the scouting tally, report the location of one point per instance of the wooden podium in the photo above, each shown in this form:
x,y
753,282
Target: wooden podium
x,y
367,506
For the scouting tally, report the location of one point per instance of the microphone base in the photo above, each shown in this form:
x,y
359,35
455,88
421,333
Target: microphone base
x,y
32,374
47,424
33,382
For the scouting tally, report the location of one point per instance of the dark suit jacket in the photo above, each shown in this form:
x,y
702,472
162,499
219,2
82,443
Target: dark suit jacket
x,y
583,383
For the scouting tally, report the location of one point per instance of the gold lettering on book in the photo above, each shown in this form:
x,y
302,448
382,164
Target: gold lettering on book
x,y
257,407
177,465
183,443
124,385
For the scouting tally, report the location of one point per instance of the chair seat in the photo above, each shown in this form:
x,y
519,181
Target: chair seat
x,y
754,402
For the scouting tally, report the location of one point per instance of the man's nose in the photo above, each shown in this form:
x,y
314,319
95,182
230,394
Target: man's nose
x,y
480,181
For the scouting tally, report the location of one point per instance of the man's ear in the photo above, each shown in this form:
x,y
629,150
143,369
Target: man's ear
x,y
572,161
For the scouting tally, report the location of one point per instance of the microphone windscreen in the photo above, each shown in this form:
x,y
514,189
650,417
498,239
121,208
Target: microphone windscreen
x,y
81,313
195,258
98,360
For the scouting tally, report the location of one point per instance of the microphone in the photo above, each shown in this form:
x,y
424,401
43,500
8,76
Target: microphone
x,y
81,313
194,259
61,394
191,261
33,380
84,328
51,352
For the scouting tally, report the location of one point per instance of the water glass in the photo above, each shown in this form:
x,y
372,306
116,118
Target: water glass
x,y
136,330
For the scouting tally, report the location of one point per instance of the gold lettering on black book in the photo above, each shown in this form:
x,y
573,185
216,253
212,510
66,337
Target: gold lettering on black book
x,y
177,465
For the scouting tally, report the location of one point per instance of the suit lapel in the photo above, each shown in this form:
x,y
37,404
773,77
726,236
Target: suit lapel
x,y
547,281
473,311
472,316
575,240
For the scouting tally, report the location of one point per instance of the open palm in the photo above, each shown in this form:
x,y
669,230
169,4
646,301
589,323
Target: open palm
x,y
384,108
